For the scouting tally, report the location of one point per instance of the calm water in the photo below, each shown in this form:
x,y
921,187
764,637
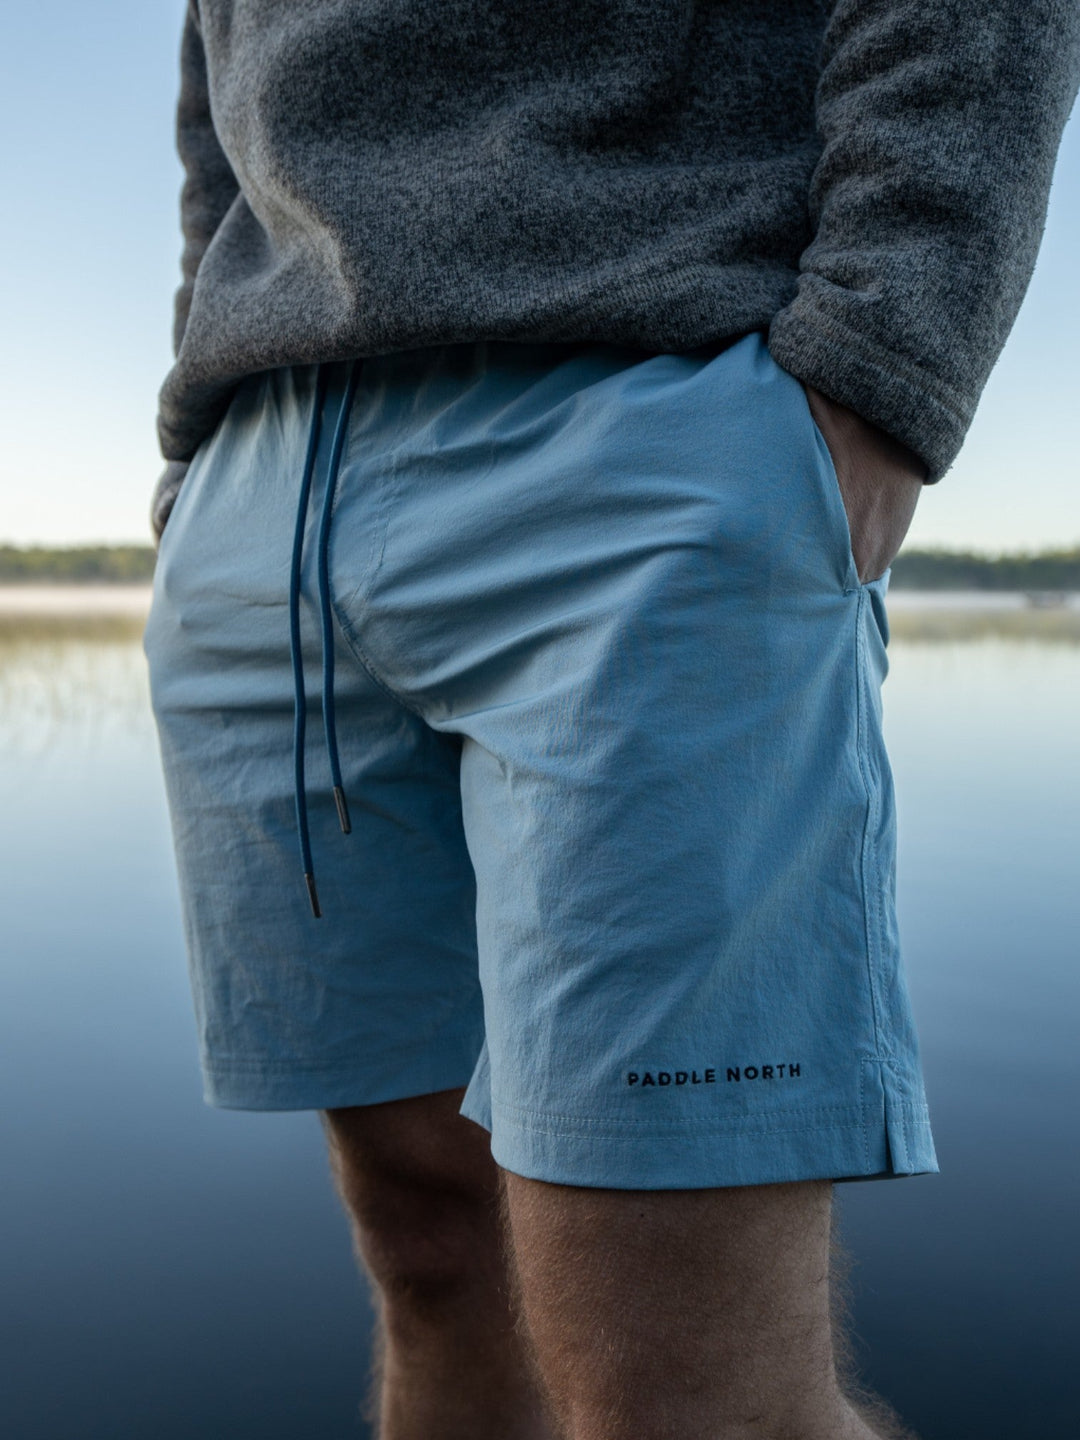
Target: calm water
x,y
167,1270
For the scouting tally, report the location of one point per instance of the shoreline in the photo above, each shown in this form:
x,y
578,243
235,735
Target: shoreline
x,y
36,598
35,614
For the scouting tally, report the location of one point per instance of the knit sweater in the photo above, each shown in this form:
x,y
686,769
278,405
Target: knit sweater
x,y
867,180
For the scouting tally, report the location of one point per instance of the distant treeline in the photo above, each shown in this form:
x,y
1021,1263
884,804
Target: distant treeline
x,y
964,570
912,569
76,565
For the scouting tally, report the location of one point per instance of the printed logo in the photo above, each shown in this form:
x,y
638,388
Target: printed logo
x,y
734,1074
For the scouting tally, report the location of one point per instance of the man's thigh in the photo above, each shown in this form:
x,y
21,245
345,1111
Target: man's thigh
x,y
702,1312
421,1188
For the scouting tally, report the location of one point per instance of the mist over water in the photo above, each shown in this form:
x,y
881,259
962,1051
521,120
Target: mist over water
x,y
168,1270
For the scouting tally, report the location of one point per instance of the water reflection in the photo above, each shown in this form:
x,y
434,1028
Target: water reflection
x,y
68,675
936,623
69,669
172,1270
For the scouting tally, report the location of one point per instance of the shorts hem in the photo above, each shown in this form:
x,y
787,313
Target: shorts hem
x,y
754,1152
328,1088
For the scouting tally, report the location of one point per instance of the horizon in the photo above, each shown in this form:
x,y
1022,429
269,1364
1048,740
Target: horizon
x,y
86,339
1046,552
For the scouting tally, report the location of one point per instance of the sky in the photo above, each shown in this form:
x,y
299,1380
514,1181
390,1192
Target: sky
x,y
89,254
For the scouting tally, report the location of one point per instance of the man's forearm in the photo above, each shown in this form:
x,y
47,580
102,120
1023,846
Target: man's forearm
x,y
940,122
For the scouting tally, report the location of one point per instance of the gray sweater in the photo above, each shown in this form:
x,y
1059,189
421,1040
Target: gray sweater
x,y
867,179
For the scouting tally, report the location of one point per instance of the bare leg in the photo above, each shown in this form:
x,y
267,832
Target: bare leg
x,y
683,1315
422,1192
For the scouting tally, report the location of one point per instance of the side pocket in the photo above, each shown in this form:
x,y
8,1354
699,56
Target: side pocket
x,y
174,523
840,527
163,586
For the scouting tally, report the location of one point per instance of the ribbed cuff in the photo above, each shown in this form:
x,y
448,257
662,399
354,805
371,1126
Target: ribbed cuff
x,y
890,391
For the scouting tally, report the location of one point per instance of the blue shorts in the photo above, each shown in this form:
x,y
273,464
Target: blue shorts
x,y
581,627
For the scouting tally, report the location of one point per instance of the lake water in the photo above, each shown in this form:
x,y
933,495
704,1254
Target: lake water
x,y
168,1270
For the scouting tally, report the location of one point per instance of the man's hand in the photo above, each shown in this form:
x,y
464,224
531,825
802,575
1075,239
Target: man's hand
x,y
164,497
880,482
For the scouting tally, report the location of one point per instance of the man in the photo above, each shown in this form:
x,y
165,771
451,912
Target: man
x,y
558,383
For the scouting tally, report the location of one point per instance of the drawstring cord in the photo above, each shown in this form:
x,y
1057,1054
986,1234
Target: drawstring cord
x,y
329,718
327,622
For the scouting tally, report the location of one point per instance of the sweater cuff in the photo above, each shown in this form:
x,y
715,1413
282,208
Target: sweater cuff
x,y
891,391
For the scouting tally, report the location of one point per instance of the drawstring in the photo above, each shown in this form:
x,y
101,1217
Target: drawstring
x,y
329,720
327,619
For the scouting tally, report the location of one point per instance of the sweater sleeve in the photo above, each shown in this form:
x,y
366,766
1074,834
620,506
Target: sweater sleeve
x,y
940,122
209,188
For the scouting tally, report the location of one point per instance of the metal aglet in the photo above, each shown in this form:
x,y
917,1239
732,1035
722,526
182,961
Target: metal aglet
x,y
313,895
342,810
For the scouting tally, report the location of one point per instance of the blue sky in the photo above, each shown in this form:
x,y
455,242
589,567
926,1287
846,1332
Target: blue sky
x,y
88,263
